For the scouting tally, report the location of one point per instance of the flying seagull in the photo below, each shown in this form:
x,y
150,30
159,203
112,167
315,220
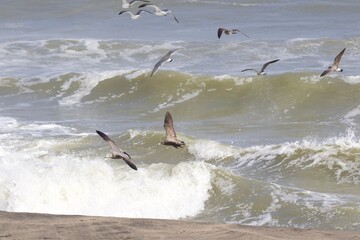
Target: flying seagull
x,y
136,15
171,139
229,32
165,58
335,65
116,152
127,4
261,72
158,11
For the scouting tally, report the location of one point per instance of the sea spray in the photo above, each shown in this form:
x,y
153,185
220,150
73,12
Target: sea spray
x,y
67,184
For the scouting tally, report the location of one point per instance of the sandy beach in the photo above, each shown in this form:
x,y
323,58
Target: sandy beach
x,y
45,226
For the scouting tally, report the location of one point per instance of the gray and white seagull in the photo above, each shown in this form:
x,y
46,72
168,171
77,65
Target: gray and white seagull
x,y
165,58
136,15
116,152
171,139
128,4
262,71
335,65
229,32
158,11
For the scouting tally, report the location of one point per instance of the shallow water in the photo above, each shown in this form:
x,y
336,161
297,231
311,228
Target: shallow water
x,y
274,150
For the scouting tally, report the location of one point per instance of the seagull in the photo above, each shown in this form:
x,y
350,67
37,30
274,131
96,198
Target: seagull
x,y
165,58
158,11
335,65
136,15
261,72
171,139
229,32
116,152
127,4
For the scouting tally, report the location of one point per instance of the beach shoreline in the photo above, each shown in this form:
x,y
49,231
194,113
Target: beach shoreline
x,y
48,226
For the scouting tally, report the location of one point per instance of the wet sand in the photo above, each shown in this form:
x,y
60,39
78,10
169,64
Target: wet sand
x,y
45,226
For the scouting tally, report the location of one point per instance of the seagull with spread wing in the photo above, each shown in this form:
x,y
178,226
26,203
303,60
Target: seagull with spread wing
x,y
158,11
229,32
262,71
116,152
165,58
335,65
171,139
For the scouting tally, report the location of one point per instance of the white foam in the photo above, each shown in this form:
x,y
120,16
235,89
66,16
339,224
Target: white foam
x,y
325,205
348,118
50,129
17,129
304,46
237,80
68,184
311,79
135,74
54,55
352,79
329,153
224,77
88,81
183,98
8,123
75,48
142,133
206,150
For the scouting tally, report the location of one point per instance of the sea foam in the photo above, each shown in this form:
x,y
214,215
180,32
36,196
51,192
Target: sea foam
x,y
69,184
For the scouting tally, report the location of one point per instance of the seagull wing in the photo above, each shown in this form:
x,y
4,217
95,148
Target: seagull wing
x,y
115,149
266,64
130,164
164,58
157,65
220,31
157,9
135,1
124,12
169,127
171,52
338,58
144,5
237,30
175,18
140,11
326,72
249,69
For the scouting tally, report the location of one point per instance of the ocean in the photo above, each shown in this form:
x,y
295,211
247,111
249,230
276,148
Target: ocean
x,y
276,150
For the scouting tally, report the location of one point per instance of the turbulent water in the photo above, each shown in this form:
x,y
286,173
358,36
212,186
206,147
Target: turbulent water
x,y
275,150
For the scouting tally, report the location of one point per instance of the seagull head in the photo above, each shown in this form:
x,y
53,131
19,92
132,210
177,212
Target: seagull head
x,y
339,70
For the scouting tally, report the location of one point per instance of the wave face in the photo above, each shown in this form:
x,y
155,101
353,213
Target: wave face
x,y
274,103
274,150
